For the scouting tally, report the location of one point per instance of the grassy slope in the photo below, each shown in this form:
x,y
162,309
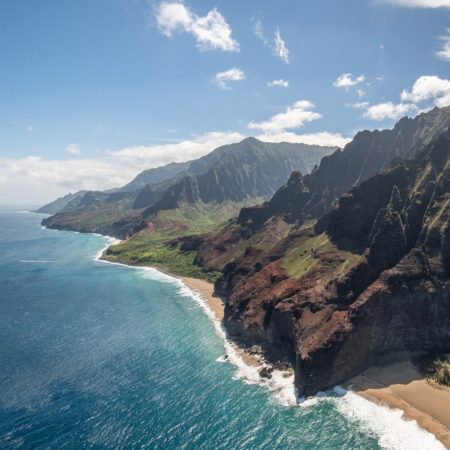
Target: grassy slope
x,y
152,247
318,254
96,219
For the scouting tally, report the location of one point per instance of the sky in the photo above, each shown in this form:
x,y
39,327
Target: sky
x,y
94,92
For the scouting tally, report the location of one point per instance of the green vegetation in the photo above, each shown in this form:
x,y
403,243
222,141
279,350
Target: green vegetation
x,y
439,371
318,254
153,247
144,252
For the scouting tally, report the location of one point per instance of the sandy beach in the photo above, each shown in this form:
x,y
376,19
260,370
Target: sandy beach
x,y
401,385
206,291
215,304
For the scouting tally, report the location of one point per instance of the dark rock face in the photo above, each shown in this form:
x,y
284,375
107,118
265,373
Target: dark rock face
x,y
288,201
250,169
369,153
146,197
247,170
341,316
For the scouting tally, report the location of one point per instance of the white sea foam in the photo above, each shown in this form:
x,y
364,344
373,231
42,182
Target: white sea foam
x,y
385,424
109,241
392,430
281,382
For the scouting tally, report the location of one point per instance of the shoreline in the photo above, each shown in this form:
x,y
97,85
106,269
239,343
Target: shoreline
x,y
281,383
401,386
375,385
249,365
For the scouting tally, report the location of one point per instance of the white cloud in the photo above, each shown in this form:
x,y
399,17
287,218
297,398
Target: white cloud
x,y
346,81
277,45
388,110
420,3
427,91
280,48
73,149
278,83
212,31
444,52
320,138
358,105
429,88
259,32
294,117
222,79
361,93
34,180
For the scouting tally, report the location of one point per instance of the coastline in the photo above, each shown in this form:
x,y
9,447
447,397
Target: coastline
x,y
400,385
417,399
281,384
249,365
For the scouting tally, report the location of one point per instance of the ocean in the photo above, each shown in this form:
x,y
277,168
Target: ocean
x,y
96,355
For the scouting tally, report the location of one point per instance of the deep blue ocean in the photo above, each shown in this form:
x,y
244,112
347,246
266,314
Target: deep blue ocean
x,y
94,355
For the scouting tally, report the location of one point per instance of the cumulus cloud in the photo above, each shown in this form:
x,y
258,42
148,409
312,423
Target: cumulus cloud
x,y
427,91
320,138
444,52
212,31
346,81
34,180
429,88
294,117
280,48
73,149
276,129
222,79
389,110
420,3
277,44
278,83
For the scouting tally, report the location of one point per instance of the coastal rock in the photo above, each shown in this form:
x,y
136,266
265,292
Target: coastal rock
x,y
371,278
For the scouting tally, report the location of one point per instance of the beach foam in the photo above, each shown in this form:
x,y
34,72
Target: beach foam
x,y
109,241
387,425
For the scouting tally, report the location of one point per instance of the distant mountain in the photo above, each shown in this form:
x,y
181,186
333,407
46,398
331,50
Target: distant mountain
x,y
249,169
60,203
235,173
156,175
367,154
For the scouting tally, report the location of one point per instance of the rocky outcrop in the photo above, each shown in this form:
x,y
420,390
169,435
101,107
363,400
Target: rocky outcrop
x,y
372,277
366,155
146,197
287,202
250,169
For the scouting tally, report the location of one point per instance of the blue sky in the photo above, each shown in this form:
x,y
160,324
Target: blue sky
x,y
92,92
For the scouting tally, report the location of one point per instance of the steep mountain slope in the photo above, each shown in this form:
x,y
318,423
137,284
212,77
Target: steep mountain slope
x,y
370,277
60,203
366,155
234,173
156,175
250,169
306,198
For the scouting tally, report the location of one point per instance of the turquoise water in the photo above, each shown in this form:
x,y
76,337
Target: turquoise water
x,y
94,355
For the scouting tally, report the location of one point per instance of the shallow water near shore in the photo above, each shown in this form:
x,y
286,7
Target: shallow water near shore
x,y
96,355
